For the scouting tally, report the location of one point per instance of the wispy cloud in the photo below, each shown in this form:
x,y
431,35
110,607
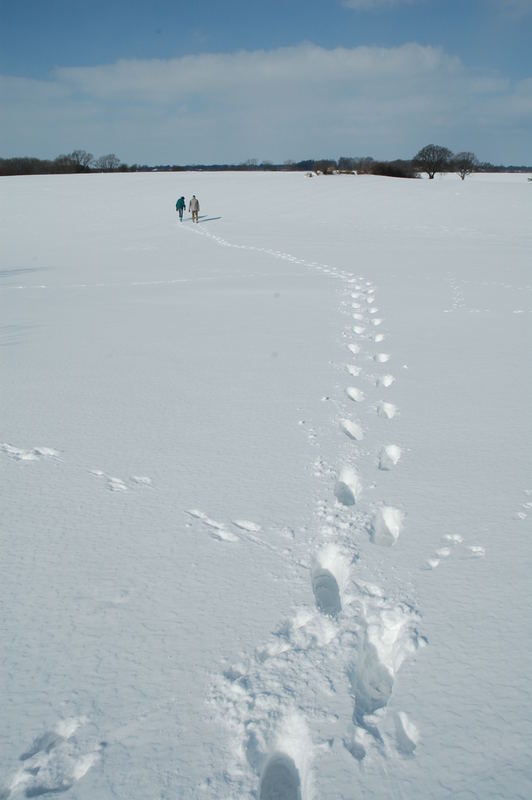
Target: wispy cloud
x,y
293,102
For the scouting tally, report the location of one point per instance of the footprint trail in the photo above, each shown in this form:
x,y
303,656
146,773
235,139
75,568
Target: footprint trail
x,y
350,634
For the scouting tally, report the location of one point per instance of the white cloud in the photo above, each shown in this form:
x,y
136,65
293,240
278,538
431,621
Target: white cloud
x,y
294,102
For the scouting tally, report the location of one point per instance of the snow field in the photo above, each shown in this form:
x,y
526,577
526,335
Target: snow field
x,y
244,615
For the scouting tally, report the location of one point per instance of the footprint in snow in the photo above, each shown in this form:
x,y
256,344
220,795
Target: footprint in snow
x,y
385,380
326,592
443,552
355,394
246,525
348,487
351,429
473,552
451,540
434,561
389,635
217,529
455,538
476,551
142,480
116,485
329,574
406,735
35,454
521,515
113,484
280,779
387,410
55,761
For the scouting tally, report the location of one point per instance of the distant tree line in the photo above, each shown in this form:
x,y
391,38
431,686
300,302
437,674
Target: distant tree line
x,y
78,161
431,159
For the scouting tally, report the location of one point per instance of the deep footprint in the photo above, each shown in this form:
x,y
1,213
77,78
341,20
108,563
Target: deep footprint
x,y
326,592
348,487
406,734
280,780
371,685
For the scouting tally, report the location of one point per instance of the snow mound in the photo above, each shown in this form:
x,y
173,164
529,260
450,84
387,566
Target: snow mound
x,y
352,429
348,487
387,410
355,394
387,526
385,380
389,456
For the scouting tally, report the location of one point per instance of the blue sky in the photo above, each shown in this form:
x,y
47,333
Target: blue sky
x,y
177,82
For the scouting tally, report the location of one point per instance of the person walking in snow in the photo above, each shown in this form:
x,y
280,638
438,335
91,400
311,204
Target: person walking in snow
x,y
193,206
180,207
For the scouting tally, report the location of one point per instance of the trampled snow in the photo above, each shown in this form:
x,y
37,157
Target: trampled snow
x,y
266,487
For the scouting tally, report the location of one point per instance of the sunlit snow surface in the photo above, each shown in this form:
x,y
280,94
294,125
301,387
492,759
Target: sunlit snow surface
x,y
266,487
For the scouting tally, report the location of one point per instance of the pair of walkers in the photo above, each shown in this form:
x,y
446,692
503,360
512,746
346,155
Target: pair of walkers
x,y
193,207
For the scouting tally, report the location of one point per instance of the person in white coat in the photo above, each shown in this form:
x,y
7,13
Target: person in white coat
x,y
193,206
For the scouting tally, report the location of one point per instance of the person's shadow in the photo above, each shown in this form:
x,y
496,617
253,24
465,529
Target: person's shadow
x,y
207,219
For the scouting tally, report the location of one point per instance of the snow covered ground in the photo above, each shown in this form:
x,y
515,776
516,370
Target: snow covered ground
x,y
266,487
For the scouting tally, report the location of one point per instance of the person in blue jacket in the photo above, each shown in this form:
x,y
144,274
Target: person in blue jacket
x,y
180,207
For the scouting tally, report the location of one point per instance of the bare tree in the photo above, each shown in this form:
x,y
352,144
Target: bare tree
x,y
465,163
82,159
432,159
107,163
